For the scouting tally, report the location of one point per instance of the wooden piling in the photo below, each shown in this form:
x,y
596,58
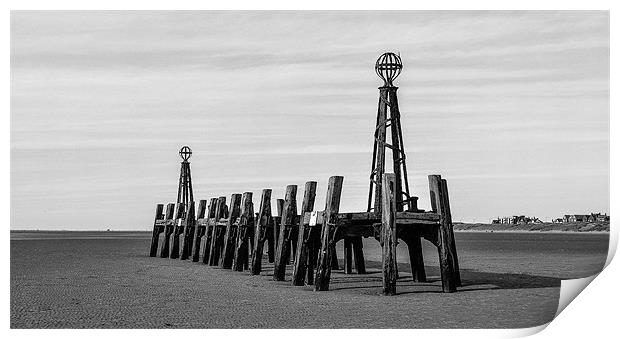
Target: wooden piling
x,y
177,231
288,216
276,225
416,261
230,235
244,232
159,215
261,232
200,230
348,255
300,264
332,205
448,281
388,233
451,240
213,258
358,255
188,232
165,250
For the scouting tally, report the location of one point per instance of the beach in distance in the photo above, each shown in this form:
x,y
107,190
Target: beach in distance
x,y
107,280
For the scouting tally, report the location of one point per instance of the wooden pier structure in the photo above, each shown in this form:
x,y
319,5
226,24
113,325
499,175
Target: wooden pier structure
x,y
231,235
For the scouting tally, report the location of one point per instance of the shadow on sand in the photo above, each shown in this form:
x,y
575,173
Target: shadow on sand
x,y
472,280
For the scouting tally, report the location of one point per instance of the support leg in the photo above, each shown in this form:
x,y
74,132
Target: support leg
x,y
301,254
388,234
284,240
332,205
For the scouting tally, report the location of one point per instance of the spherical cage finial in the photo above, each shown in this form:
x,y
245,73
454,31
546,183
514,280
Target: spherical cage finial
x,y
388,67
185,153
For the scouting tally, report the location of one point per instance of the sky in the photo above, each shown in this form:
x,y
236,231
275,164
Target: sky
x,y
512,108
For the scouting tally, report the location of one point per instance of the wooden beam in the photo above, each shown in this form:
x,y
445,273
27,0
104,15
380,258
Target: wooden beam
x,y
159,209
448,280
286,224
228,250
388,234
300,264
244,233
332,205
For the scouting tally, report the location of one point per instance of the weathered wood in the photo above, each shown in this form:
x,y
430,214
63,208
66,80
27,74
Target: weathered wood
x,y
276,225
370,218
177,231
244,232
286,224
358,254
165,250
261,232
380,138
388,234
332,204
188,232
300,264
214,250
200,229
416,261
348,255
448,281
159,215
451,240
230,235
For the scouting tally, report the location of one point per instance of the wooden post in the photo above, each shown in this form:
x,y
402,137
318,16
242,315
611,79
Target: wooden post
x,y
416,261
300,263
165,250
348,255
200,230
228,251
332,205
388,233
358,254
177,230
213,258
452,242
448,281
261,233
188,232
245,230
276,225
159,215
286,224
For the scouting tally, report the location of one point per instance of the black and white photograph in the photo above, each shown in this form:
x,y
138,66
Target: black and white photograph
x,y
306,169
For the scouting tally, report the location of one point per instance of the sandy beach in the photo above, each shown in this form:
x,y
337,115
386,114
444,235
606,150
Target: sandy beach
x,y
107,280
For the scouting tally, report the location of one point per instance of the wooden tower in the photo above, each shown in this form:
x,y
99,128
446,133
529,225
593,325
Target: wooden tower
x,y
388,67
185,195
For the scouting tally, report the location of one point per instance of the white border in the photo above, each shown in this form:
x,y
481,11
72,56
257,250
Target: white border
x,y
592,313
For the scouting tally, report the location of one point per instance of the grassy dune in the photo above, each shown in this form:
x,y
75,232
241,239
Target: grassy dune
x,y
543,227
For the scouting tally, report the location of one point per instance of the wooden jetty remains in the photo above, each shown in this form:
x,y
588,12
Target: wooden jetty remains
x,y
234,236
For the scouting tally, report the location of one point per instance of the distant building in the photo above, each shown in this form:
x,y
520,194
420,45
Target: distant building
x,y
592,217
516,219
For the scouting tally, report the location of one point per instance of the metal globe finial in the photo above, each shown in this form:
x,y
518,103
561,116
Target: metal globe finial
x,y
185,153
388,67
